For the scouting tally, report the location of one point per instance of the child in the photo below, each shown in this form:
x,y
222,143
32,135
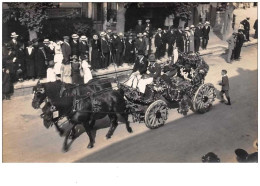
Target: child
x,y
86,71
75,71
225,87
7,84
51,76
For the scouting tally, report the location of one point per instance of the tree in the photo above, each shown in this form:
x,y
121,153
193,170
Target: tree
x,y
30,15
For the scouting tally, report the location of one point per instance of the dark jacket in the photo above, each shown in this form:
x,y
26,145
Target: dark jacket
x,y
40,58
129,51
83,48
148,30
158,41
6,83
74,48
256,24
66,52
139,29
140,45
30,62
246,24
141,65
205,32
171,37
225,83
104,46
180,40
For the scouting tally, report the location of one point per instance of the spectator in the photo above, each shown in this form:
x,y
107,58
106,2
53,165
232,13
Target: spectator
x,y
95,53
130,50
105,51
30,61
146,39
51,75
74,45
120,50
171,41
224,87
192,31
85,68
83,46
20,66
40,59
180,39
158,42
75,71
205,35
240,39
187,39
197,35
14,44
140,44
149,31
48,49
231,45
139,27
7,84
66,67
246,25
256,28
58,57
164,39
114,46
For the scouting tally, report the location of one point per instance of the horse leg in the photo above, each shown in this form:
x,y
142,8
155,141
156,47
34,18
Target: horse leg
x,y
92,123
127,123
61,131
113,125
69,136
88,131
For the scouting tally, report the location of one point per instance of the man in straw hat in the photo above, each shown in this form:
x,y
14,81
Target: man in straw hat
x,y
140,44
205,35
83,46
74,45
158,43
14,44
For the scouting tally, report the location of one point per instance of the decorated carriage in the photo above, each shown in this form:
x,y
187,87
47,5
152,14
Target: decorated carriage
x,y
186,88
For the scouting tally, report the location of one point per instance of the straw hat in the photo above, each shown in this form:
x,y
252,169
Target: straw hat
x,y
13,34
192,26
83,38
159,29
75,36
187,29
207,23
139,35
46,41
147,21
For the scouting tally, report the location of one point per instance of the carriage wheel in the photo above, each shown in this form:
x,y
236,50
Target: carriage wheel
x,y
156,114
203,98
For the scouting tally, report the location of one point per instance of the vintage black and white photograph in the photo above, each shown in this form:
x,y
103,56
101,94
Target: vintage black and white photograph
x,y
129,82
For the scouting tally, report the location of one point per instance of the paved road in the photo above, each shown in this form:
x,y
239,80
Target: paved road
x,y
182,139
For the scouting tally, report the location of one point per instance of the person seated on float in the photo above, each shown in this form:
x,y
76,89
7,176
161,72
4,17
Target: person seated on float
x,y
140,68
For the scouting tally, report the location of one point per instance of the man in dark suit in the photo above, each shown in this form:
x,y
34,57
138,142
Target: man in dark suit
x,y
246,25
225,87
240,39
149,31
74,45
180,39
140,44
105,50
159,44
171,41
139,28
256,28
14,44
66,50
205,35
130,50
120,49
197,35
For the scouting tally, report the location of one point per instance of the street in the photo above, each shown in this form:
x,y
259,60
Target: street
x,y
183,139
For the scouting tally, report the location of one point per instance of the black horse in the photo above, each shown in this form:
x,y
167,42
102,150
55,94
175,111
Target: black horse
x,y
81,104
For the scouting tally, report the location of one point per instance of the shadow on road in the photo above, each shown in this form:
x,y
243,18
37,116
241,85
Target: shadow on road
x,y
221,130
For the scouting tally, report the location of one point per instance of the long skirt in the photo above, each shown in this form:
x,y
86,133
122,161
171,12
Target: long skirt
x,y
66,73
58,61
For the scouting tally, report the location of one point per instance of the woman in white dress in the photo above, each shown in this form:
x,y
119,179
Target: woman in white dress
x,y
58,57
87,75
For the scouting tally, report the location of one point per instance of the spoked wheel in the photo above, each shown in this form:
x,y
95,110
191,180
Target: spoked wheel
x,y
156,114
203,98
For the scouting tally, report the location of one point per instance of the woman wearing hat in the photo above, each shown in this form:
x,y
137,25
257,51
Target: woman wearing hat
x,y
95,57
75,70
130,51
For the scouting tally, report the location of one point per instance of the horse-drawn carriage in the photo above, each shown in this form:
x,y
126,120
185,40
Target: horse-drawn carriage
x,y
84,104
188,93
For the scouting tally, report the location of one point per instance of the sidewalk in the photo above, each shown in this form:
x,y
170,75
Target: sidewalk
x,y
215,47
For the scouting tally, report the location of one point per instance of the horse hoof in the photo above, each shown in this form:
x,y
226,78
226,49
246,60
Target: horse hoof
x,y
130,130
65,149
90,146
108,137
61,133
